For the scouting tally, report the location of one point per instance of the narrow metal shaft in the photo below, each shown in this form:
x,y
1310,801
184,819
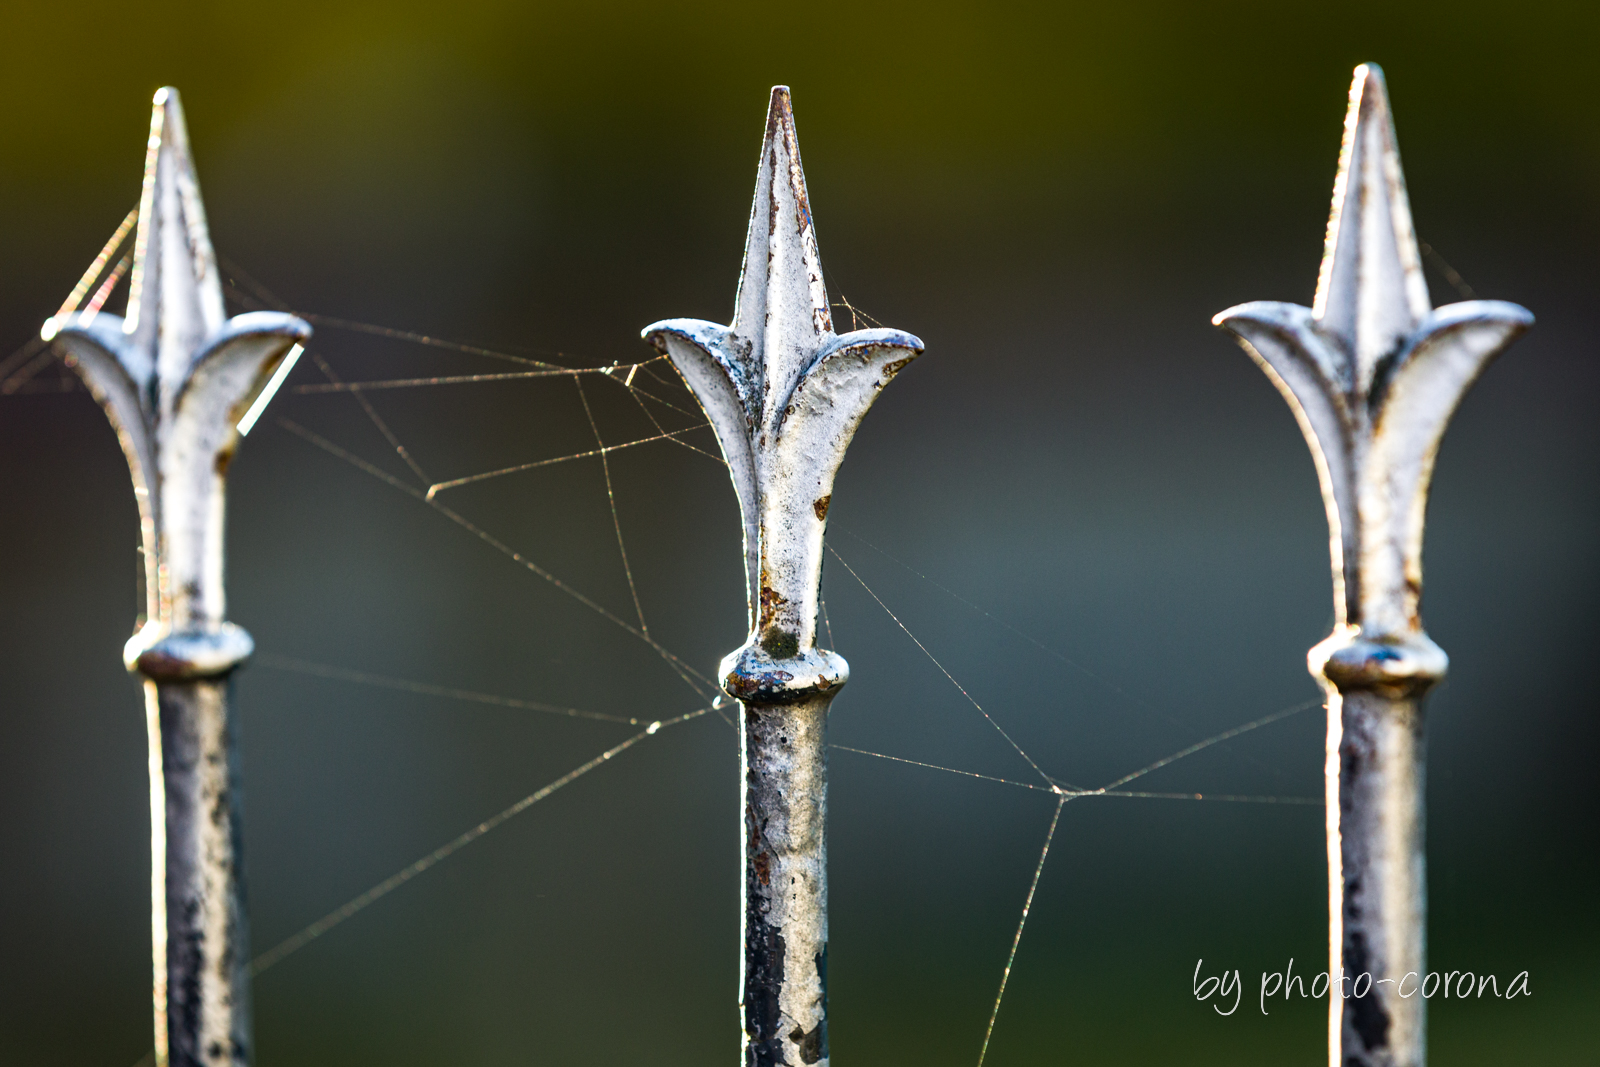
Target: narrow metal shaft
x,y
201,938
1377,881
784,761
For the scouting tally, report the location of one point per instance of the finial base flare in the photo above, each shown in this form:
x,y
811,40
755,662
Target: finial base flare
x,y
1399,666
755,676
186,655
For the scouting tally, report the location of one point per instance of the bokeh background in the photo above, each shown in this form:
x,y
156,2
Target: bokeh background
x,y
1055,197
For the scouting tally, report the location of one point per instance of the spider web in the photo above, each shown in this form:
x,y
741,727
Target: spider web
x,y
663,416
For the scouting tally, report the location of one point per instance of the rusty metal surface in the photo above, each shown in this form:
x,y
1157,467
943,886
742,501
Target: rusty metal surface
x,y
175,376
784,395
1373,373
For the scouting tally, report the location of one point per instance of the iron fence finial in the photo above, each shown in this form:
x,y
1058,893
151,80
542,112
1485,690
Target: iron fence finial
x,y
175,376
784,395
1373,373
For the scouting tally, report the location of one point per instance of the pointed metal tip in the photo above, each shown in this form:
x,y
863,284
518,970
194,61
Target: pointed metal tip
x,y
167,122
168,161
780,251
1370,289
167,108
166,118
780,109
1369,92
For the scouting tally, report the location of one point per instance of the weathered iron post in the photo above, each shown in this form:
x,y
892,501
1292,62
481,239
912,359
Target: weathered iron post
x,y
176,377
1373,373
784,395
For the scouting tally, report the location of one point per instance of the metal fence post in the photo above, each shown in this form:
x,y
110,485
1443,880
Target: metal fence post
x,y
176,377
784,395
1373,373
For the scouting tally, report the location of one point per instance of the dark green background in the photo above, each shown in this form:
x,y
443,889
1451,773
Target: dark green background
x,y
1055,198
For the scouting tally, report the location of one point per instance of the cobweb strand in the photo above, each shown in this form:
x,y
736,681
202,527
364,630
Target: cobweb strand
x,y
1016,631
676,664
698,681
611,499
406,685
287,947
456,483
1016,941
935,661
376,420
446,379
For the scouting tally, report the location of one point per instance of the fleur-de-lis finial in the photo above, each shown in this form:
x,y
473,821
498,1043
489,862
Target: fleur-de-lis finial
x,y
176,377
1373,373
784,395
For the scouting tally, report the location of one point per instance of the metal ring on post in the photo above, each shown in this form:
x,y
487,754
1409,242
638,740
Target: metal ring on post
x,y
1399,668
163,656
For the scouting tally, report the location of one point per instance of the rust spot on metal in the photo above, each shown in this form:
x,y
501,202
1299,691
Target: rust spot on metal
x,y
781,644
763,867
762,685
224,458
810,1044
771,601
891,369
820,506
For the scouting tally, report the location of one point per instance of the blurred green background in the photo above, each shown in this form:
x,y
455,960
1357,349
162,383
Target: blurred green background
x,y
1055,197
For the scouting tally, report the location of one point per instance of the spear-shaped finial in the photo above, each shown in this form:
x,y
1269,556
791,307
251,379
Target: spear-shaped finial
x,y
1373,373
784,395
177,378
